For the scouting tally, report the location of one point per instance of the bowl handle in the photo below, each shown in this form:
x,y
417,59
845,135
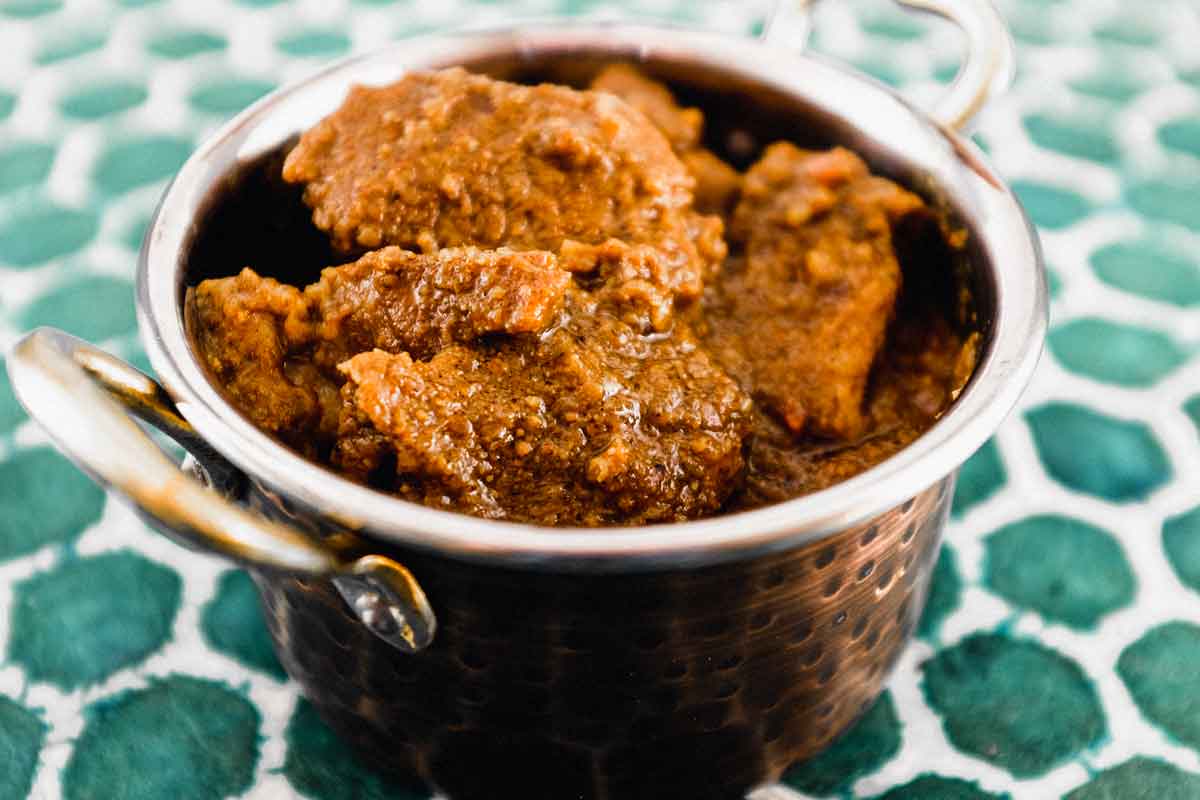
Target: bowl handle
x,y
72,389
987,68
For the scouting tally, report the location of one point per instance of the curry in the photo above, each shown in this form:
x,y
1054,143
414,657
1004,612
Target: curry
x,y
557,306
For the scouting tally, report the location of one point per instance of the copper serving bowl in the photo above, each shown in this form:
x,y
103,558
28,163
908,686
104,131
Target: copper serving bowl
x,y
491,659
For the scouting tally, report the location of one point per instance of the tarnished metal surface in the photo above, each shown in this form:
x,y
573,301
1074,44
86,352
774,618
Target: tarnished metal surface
x,y
608,687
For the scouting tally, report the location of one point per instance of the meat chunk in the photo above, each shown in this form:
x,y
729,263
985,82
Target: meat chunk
x,y
276,348
244,327
400,301
717,183
681,126
445,159
801,315
592,424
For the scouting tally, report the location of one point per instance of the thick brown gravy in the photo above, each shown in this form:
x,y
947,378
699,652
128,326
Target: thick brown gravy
x,y
560,307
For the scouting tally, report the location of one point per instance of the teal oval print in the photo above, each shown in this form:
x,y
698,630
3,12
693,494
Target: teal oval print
x,y
980,478
1125,355
94,102
24,164
935,787
186,43
11,413
1013,703
232,622
22,733
1182,135
131,163
1081,138
1171,199
320,765
1151,268
1139,777
945,593
1049,206
68,47
1099,455
314,43
41,233
28,9
860,751
1110,83
110,612
46,500
1160,671
94,308
181,738
1181,542
229,95
1065,569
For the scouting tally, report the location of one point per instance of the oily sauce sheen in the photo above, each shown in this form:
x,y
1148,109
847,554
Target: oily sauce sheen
x,y
557,306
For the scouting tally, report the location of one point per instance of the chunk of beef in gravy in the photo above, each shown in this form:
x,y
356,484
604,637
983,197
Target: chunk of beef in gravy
x,y
399,301
448,158
275,348
244,328
591,424
924,367
800,316
717,183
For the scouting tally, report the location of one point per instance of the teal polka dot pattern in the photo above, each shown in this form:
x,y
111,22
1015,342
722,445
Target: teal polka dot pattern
x,y
315,43
1124,461
935,787
1056,653
228,96
46,500
68,46
1051,207
22,733
1014,703
24,164
94,102
95,308
1066,570
1181,542
1182,135
186,43
27,9
1159,671
981,477
1116,85
1082,138
873,740
318,764
1170,199
11,412
31,236
232,623
1151,268
181,738
945,594
1116,353
125,165
109,612
1139,777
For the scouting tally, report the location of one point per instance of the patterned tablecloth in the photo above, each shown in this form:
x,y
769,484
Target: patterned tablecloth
x,y
1060,653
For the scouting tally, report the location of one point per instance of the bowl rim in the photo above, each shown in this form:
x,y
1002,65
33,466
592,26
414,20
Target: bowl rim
x,y
1006,237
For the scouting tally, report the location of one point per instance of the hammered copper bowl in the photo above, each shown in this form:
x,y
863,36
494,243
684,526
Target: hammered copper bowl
x,y
493,659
